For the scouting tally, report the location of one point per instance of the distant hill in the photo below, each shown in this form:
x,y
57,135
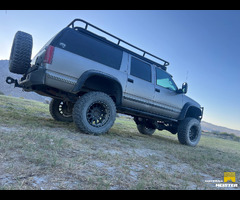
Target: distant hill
x,y
10,90
206,126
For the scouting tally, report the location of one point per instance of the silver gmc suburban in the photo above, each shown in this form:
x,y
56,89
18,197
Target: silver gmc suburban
x,y
90,78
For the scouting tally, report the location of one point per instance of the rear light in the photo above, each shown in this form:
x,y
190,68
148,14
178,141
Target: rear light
x,y
49,54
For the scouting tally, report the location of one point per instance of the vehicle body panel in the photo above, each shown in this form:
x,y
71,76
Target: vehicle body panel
x,y
79,53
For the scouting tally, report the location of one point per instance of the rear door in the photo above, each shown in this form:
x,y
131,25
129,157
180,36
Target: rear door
x,y
139,89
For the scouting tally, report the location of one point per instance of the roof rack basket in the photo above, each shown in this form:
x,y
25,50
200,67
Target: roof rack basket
x,y
166,63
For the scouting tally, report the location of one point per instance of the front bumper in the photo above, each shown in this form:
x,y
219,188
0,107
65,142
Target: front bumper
x,y
202,109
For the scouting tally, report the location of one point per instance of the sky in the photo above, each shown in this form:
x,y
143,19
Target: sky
x,y
202,47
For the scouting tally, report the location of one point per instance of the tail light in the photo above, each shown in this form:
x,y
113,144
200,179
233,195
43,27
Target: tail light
x,y
49,54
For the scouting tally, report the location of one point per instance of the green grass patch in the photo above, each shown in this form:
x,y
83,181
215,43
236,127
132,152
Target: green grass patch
x,y
37,152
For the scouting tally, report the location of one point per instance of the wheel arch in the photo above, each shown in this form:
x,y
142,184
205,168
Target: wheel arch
x,y
190,110
98,81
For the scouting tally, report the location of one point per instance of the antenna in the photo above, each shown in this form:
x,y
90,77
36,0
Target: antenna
x,y
187,76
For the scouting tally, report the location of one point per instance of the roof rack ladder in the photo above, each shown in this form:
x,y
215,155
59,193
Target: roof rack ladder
x,y
166,63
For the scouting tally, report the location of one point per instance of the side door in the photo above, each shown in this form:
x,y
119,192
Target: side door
x,y
167,102
139,89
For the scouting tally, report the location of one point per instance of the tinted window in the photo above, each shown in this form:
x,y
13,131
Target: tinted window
x,y
140,69
92,48
165,80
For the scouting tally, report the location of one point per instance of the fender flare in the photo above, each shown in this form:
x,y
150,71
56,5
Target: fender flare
x,y
185,109
87,74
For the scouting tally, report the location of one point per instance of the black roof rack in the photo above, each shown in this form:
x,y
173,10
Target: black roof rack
x,y
166,63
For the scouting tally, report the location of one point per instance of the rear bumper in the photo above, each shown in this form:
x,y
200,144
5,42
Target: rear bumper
x,y
34,77
40,76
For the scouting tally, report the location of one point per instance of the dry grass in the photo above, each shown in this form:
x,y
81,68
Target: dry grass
x,y
37,152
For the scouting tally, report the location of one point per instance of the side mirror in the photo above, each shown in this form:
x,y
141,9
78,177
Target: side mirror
x,y
184,88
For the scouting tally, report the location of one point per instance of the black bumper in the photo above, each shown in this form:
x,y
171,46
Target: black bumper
x,y
202,109
32,78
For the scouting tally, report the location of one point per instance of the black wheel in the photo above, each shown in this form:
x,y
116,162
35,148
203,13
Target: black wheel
x,y
61,110
189,131
21,52
94,113
142,128
145,126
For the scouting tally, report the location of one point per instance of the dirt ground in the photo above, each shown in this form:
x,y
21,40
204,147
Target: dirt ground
x,y
39,153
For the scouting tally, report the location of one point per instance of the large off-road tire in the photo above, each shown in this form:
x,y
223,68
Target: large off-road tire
x,y
143,129
189,131
94,113
61,110
21,52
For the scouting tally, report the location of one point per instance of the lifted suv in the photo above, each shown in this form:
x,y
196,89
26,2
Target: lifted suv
x,y
90,78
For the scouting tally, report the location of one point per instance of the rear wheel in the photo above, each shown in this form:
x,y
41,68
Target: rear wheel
x,y
61,110
94,113
21,52
189,131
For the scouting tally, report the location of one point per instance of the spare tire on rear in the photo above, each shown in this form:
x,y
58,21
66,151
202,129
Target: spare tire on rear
x,y
21,52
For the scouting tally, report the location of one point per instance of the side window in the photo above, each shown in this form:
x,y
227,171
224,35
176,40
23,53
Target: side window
x,y
141,69
91,48
165,80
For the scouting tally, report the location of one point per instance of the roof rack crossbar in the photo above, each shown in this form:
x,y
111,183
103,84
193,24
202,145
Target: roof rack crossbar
x,y
166,63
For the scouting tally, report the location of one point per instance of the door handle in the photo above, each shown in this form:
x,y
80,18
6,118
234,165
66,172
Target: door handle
x,y
157,90
130,80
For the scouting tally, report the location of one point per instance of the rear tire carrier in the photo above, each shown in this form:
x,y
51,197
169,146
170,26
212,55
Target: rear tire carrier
x,y
21,52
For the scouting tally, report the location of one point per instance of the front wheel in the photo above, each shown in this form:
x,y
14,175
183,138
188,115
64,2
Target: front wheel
x,y
94,113
189,131
143,129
